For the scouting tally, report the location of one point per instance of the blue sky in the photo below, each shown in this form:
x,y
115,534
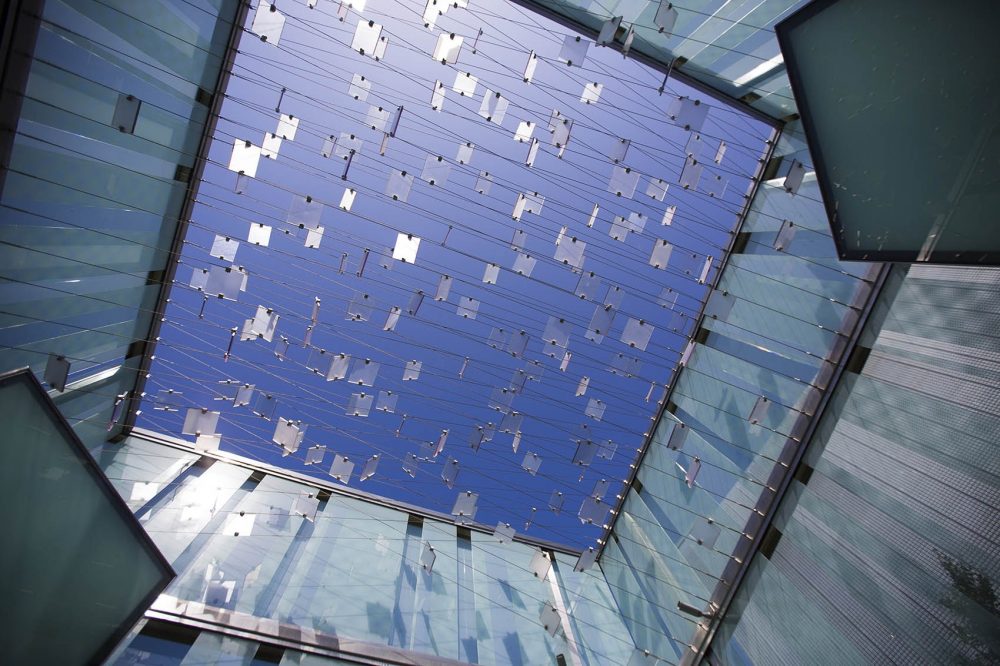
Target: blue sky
x,y
465,235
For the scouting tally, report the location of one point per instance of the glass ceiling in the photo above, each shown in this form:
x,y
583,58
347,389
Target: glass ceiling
x,y
451,259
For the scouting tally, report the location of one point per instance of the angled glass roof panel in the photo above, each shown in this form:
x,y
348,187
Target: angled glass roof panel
x,y
62,497
915,190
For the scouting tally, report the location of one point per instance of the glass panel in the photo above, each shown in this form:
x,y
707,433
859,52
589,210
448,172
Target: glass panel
x,y
268,22
436,170
529,68
464,155
943,200
623,182
97,595
494,107
484,182
591,93
444,288
377,118
342,468
126,113
360,87
363,372
600,324
688,113
657,190
366,37
574,50
524,264
467,307
637,333
465,83
398,186
660,256
524,131
570,252
447,48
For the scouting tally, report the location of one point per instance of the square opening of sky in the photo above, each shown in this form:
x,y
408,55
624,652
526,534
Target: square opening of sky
x,y
446,249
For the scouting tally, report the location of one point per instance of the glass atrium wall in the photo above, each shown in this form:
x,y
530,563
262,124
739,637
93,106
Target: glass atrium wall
x,y
724,45
112,115
887,545
285,555
774,331
883,549
162,643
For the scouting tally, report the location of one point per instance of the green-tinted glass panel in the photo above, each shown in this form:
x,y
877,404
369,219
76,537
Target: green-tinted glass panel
x,y
901,122
77,569
888,550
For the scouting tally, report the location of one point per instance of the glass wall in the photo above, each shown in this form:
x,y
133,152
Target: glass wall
x,y
887,544
289,555
727,46
775,329
112,116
